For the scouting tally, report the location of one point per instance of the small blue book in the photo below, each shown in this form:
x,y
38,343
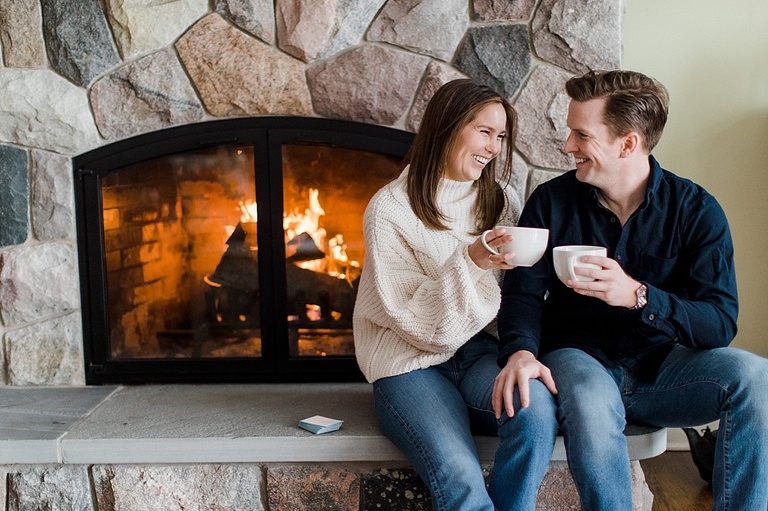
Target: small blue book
x,y
318,424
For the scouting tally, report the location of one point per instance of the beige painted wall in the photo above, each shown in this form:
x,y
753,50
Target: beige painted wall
x,y
713,58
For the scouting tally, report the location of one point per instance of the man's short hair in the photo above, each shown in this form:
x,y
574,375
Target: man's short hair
x,y
634,102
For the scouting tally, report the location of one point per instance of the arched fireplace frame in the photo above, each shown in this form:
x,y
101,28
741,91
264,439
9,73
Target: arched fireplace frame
x,y
266,135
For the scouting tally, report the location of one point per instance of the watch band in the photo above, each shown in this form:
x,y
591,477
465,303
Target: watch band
x,y
642,297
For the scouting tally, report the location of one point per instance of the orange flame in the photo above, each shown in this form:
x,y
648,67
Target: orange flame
x,y
336,262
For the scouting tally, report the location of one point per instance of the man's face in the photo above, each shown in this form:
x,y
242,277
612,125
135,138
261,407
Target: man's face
x,y
596,150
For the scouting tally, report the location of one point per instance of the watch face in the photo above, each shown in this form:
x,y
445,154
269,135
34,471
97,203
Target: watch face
x,y
642,297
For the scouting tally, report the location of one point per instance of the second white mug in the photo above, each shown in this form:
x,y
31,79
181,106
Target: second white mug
x,y
566,258
528,244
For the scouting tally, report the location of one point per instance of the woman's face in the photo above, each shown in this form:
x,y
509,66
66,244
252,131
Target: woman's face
x,y
477,144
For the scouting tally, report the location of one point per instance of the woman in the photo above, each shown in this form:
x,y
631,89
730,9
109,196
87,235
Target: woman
x,y
424,317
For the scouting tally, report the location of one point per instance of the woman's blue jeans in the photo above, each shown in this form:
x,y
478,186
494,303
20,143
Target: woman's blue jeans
x,y
692,387
430,415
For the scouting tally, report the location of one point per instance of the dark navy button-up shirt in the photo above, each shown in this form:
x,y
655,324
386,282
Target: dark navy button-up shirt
x,y
677,243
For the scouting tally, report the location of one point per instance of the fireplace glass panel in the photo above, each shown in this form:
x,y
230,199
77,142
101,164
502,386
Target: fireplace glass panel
x,y
181,256
325,192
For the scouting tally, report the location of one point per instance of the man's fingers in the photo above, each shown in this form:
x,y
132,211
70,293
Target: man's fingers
x,y
509,400
546,378
497,400
525,393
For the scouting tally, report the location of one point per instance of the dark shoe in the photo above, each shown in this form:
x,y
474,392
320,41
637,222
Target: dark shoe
x,y
702,450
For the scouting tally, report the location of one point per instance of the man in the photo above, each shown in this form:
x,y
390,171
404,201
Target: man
x,y
645,341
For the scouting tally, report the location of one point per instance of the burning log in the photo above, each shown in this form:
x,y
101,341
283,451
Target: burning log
x,y
335,297
234,298
303,248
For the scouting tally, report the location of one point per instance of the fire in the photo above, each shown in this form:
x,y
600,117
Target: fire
x,y
248,211
308,246
336,261
295,223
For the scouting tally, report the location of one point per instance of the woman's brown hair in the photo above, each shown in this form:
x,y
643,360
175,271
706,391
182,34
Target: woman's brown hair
x,y
452,107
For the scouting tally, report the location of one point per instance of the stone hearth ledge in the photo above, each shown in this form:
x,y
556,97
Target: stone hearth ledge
x,y
227,423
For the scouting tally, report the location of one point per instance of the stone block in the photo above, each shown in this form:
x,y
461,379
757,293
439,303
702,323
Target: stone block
x,y
177,487
141,26
14,196
49,487
507,10
543,110
213,53
437,75
46,353
44,110
78,40
254,16
399,488
496,55
538,176
427,27
111,219
577,35
52,196
147,94
319,29
309,488
37,281
20,34
370,84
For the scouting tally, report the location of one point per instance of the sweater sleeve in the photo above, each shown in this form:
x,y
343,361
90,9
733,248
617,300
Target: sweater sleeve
x,y
434,306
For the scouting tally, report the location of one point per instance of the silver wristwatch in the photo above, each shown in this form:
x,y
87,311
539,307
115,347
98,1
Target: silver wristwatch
x,y
642,297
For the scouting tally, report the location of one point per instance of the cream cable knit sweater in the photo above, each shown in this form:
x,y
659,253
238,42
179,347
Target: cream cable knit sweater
x,y
421,297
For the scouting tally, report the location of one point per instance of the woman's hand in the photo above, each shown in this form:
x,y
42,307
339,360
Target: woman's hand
x,y
487,260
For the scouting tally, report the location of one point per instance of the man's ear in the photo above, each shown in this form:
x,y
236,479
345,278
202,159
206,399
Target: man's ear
x,y
631,143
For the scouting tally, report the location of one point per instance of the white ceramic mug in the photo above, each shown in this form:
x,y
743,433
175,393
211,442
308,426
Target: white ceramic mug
x,y
528,244
566,258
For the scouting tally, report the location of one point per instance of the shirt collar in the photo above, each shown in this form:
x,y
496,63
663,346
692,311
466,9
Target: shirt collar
x,y
654,181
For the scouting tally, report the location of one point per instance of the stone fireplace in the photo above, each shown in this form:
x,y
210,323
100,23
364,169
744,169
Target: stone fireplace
x,y
78,77
228,251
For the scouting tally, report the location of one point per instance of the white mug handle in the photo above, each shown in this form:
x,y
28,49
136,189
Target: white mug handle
x,y
572,260
486,245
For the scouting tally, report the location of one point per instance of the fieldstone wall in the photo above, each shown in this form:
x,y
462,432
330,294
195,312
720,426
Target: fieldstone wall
x,y
252,487
77,75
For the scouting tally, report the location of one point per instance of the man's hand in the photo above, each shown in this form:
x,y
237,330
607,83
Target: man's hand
x,y
521,367
612,285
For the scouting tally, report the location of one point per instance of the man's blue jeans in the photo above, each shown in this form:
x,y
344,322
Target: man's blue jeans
x,y
692,387
430,415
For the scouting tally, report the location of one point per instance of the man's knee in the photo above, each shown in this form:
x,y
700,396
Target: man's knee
x,y
538,419
750,381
